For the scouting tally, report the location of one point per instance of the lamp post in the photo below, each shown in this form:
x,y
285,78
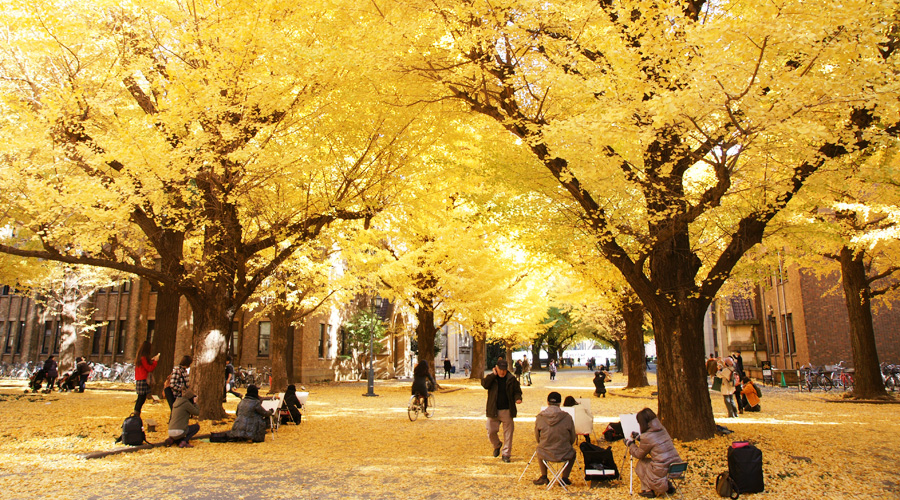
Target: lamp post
x,y
371,384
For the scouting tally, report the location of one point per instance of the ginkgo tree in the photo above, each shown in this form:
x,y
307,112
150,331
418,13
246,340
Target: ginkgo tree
x,y
679,129
196,145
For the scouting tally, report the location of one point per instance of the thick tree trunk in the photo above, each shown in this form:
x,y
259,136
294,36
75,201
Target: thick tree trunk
x,y
633,344
425,334
479,356
208,370
280,317
536,355
684,403
168,302
68,335
867,382
289,355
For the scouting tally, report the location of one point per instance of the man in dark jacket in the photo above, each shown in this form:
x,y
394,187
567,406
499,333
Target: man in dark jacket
x,y
504,393
554,431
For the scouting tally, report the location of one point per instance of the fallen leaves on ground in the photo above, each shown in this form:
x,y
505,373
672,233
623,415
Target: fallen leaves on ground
x,y
350,446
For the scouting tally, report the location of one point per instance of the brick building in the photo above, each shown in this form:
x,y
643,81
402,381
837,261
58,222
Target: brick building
x,y
795,318
123,316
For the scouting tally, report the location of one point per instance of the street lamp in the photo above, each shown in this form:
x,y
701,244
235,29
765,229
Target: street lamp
x,y
371,393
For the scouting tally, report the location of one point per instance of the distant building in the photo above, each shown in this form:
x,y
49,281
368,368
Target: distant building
x,y
794,319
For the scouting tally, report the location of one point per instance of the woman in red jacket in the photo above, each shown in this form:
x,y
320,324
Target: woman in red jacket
x,y
143,367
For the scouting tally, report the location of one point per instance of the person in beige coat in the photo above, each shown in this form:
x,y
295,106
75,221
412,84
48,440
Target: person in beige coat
x,y
726,373
655,451
554,431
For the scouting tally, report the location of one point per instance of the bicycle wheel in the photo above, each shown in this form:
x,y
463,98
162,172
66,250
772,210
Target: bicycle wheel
x,y
430,411
413,409
824,382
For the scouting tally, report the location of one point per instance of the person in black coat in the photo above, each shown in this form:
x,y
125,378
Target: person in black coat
x,y
250,423
600,379
421,377
50,372
291,404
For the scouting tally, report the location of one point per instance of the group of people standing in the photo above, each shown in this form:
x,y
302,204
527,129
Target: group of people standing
x,y
738,391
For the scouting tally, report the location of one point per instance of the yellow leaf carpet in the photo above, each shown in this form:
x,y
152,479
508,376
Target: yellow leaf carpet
x,y
349,446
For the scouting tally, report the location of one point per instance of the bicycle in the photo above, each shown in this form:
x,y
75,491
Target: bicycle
x,y
416,406
840,377
890,374
813,376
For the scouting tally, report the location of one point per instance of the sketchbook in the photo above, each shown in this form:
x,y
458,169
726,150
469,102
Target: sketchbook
x,y
629,424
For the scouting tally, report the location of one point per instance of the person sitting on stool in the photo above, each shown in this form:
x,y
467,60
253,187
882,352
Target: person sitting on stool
x,y
554,431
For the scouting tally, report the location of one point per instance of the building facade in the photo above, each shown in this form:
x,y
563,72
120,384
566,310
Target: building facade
x,y
793,319
123,316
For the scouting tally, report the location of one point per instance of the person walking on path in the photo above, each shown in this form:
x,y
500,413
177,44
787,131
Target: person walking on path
x,y
179,431
726,373
447,368
178,381
552,368
554,431
654,451
83,369
517,370
526,371
50,372
143,367
467,367
504,393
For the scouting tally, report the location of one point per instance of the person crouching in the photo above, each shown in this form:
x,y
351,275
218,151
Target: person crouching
x,y
180,432
554,431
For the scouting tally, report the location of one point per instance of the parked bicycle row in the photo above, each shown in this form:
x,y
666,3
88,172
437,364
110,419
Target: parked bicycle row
x,y
839,376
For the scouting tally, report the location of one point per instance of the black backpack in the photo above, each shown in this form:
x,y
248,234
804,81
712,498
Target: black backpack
x,y
132,431
599,463
745,467
613,432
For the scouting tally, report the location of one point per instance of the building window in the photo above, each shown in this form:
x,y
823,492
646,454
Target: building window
x,y
151,330
48,337
9,338
57,338
773,335
98,335
19,337
265,331
789,342
110,329
344,348
235,338
5,290
126,286
322,332
120,337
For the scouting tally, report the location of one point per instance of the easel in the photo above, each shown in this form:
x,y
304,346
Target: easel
x,y
630,471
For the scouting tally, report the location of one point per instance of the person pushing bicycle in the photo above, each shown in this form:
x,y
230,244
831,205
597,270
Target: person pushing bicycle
x,y
421,377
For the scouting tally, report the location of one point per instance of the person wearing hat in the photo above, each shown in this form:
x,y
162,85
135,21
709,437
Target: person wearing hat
x,y
250,422
554,431
504,393
180,432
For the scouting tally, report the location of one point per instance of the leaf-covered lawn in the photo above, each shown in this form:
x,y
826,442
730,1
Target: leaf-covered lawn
x,y
350,446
